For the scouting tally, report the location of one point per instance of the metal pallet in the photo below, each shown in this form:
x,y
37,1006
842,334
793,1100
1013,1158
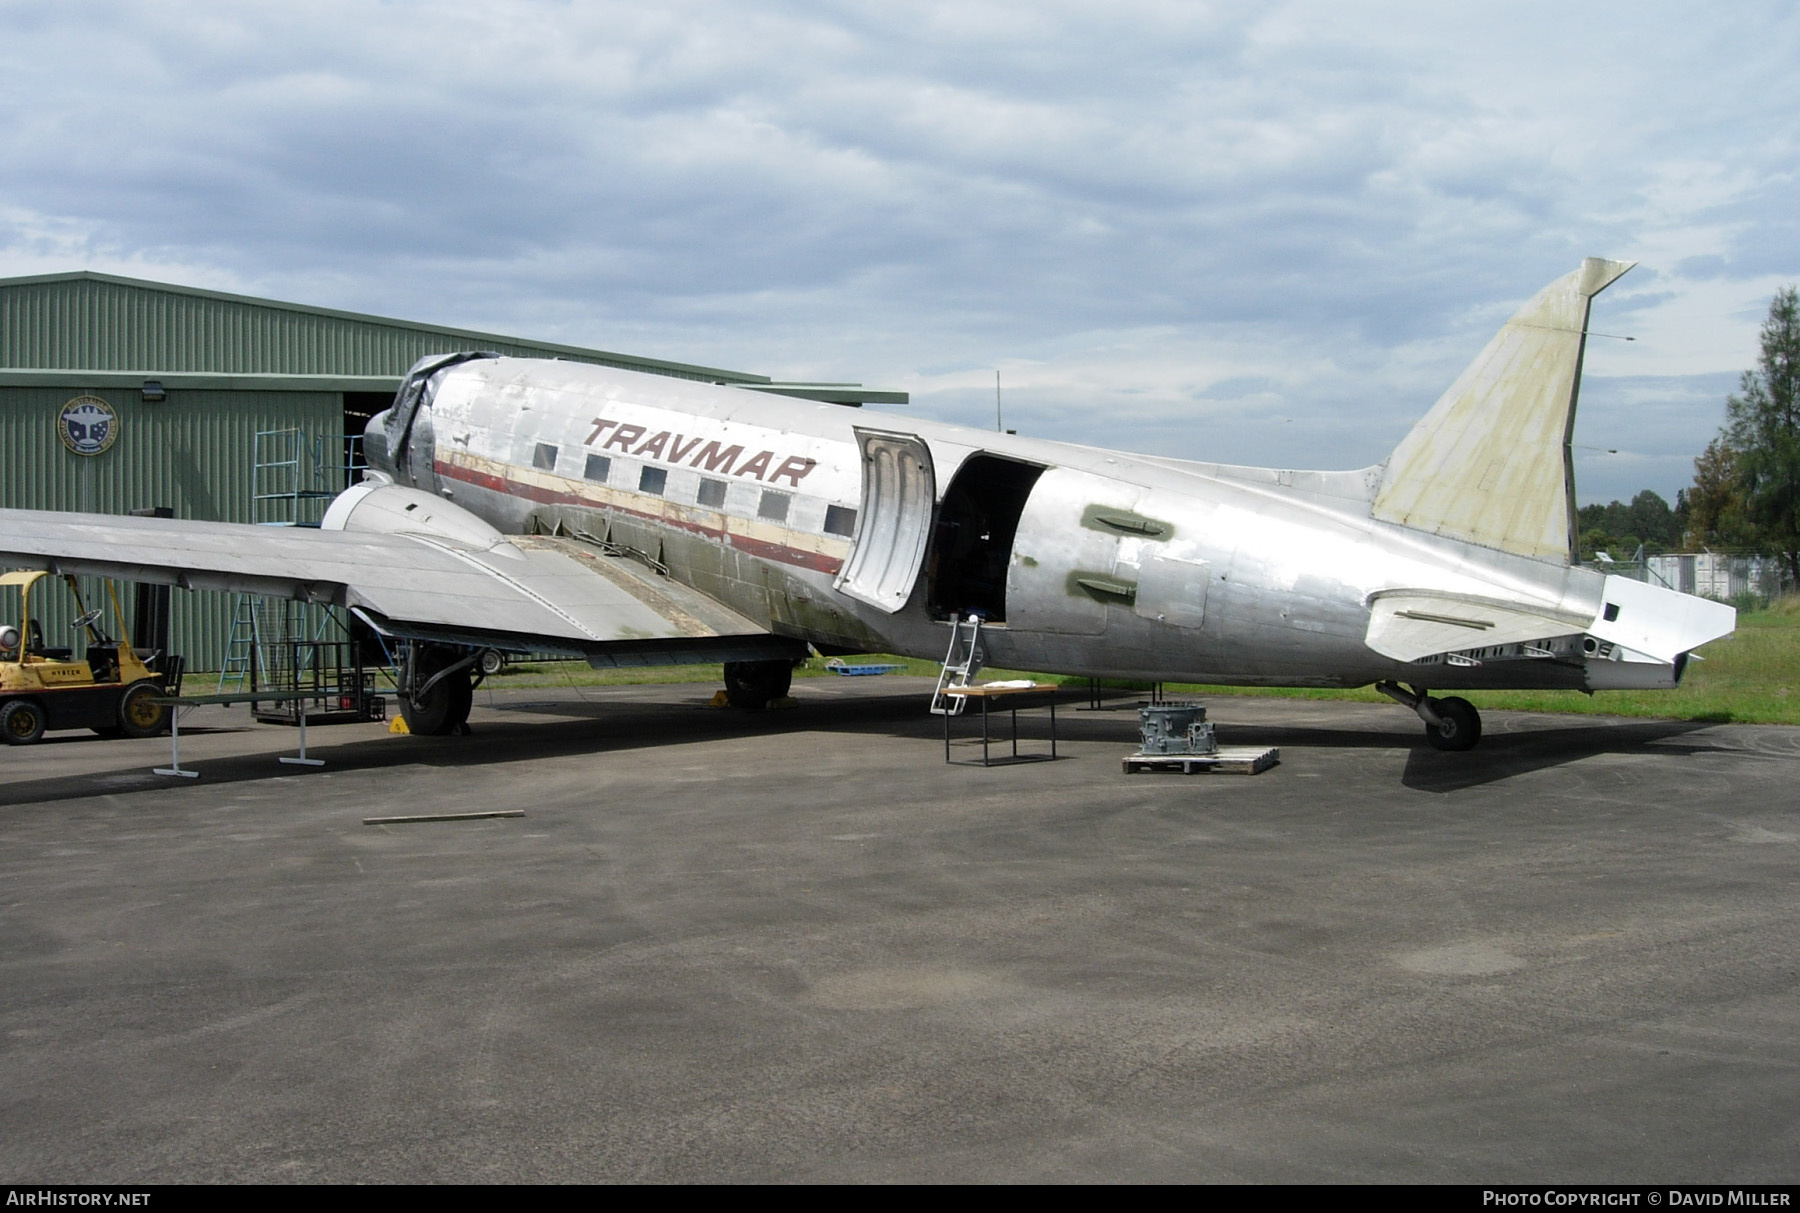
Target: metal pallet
x,y
1227,759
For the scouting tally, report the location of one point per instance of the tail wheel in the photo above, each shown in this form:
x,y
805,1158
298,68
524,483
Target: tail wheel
x,y
445,707
1461,727
139,713
751,684
21,722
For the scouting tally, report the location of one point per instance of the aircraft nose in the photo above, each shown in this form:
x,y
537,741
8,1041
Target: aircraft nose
x,y
375,444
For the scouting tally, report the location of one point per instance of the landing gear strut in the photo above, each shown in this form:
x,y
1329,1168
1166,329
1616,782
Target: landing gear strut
x,y
438,692
1451,723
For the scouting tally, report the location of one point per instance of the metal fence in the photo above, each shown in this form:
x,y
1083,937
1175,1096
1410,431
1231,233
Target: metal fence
x,y
1741,580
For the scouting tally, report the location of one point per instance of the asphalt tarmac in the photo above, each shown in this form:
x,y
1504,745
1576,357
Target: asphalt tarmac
x,y
797,946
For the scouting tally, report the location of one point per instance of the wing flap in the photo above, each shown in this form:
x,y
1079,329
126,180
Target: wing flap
x,y
689,612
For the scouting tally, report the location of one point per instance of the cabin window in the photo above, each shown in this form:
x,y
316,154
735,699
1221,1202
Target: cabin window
x,y
599,467
544,457
711,494
774,506
840,520
653,480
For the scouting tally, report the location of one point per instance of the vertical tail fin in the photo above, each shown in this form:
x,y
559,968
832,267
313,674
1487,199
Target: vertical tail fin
x,y
1490,462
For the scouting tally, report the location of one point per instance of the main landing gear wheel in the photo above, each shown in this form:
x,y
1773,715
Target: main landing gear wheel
x,y
1451,723
1459,727
750,685
139,713
21,722
444,707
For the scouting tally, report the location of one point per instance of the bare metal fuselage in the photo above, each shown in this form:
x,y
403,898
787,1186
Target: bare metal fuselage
x,y
686,522
1083,561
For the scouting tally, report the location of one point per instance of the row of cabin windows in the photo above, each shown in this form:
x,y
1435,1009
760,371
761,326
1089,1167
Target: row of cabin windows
x,y
839,520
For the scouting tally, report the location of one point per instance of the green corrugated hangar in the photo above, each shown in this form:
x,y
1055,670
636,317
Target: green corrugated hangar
x,y
119,395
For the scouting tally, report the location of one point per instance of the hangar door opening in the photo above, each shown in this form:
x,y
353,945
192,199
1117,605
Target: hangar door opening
x,y
359,407
899,489
972,543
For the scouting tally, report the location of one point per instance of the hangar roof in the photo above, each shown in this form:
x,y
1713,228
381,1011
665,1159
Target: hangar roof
x,y
102,323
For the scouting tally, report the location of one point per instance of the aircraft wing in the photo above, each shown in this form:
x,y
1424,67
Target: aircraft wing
x,y
471,586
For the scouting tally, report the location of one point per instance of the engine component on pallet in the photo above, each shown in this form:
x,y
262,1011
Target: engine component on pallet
x,y
1175,728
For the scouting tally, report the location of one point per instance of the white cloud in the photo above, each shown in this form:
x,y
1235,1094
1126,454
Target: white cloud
x,y
1122,207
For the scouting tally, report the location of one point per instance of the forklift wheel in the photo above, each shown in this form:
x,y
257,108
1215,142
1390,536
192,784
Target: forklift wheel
x,y
139,715
21,722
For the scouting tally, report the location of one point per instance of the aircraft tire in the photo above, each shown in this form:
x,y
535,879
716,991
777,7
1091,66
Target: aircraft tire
x,y
1461,728
445,708
138,716
21,722
751,684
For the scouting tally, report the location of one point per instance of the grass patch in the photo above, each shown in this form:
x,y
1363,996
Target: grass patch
x,y
1748,677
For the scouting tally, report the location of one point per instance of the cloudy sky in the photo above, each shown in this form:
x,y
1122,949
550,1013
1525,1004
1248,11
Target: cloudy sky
x,y
1260,233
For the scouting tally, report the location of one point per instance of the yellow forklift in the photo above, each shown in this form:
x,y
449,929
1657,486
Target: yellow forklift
x,y
110,689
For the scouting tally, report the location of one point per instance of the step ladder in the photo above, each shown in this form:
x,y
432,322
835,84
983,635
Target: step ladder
x,y
269,649
961,664
241,652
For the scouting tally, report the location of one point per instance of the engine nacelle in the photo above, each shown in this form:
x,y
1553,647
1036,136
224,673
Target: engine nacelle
x,y
375,506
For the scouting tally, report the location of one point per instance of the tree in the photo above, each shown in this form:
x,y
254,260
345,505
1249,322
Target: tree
x,y
1763,432
1652,518
1715,506
1619,528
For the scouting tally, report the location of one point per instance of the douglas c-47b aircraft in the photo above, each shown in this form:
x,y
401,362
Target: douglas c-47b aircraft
x,y
632,519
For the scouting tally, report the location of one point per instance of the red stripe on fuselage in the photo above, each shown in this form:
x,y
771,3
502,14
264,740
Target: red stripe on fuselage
x,y
762,549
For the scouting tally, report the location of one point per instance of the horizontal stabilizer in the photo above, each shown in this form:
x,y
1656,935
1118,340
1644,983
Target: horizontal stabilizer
x,y
1409,624
1648,620
1656,622
1489,464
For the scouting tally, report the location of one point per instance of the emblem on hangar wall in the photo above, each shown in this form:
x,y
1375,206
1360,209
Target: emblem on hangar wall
x,y
87,425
